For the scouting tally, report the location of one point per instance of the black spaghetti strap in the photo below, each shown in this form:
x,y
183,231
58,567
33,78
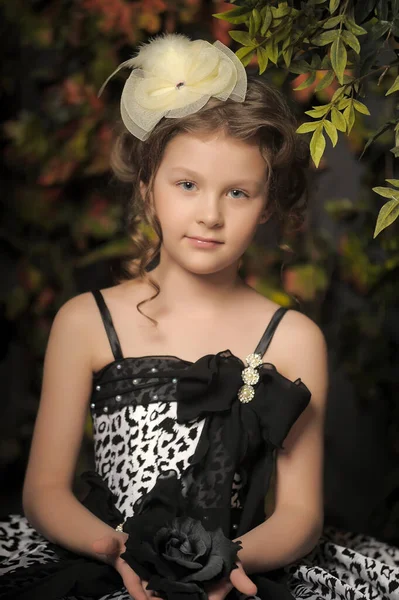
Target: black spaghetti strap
x,y
109,326
270,329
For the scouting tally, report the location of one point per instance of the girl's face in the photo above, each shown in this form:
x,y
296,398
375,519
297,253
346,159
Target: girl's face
x,y
209,195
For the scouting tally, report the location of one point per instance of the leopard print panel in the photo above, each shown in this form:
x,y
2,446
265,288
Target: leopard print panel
x,y
134,444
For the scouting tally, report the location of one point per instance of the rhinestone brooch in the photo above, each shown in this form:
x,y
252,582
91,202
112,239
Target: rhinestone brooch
x,y
250,377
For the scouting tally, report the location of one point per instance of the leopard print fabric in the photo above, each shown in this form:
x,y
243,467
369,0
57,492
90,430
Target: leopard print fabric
x,y
344,566
133,445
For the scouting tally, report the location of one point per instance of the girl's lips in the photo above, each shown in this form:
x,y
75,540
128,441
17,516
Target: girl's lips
x,y
203,242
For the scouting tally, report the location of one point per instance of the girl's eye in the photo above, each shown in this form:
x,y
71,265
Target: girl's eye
x,y
238,194
186,185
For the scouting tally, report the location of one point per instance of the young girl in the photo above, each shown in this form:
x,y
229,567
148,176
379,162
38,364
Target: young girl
x,y
184,367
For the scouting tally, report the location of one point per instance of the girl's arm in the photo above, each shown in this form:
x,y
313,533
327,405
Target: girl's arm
x,y
48,501
296,524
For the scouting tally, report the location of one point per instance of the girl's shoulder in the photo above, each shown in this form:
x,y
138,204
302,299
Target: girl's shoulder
x,y
298,344
83,306
295,329
298,330
75,311
80,320
81,314
302,352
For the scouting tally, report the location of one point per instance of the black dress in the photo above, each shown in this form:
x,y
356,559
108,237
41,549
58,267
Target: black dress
x,y
217,424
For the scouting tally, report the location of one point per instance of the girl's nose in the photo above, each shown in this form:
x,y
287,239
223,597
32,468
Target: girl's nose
x,y
209,212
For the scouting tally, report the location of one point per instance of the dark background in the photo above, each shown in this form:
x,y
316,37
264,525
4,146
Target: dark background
x,y
62,234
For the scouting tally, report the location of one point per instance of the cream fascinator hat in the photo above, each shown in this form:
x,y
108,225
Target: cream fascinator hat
x,y
173,77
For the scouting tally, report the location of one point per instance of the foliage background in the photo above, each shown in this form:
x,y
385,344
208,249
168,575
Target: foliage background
x,y
62,233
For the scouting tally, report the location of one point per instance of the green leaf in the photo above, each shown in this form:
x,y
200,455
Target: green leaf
x,y
363,9
327,37
318,111
325,63
244,51
360,107
281,35
351,40
242,37
317,145
387,192
343,103
395,151
307,82
308,127
263,59
257,20
387,215
338,92
394,87
299,66
383,9
348,78
272,51
338,119
287,56
286,42
331,132
379,29
251,27
333,22
380,131
282,10
333,6
349,116
394,182
339,58
354,27
245,55
327,80
234,16
267,17
314,113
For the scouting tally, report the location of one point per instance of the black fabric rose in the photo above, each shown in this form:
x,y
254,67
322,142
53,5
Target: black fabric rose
x,y
178,559
173,551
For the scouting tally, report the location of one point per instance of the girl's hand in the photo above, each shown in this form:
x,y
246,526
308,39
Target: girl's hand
x,y
109,549
238,579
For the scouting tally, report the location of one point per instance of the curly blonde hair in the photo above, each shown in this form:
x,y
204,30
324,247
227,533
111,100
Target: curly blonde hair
x,y
264,117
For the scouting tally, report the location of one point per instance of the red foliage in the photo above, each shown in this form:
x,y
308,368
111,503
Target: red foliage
x,y
98,206
116,15
57,170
